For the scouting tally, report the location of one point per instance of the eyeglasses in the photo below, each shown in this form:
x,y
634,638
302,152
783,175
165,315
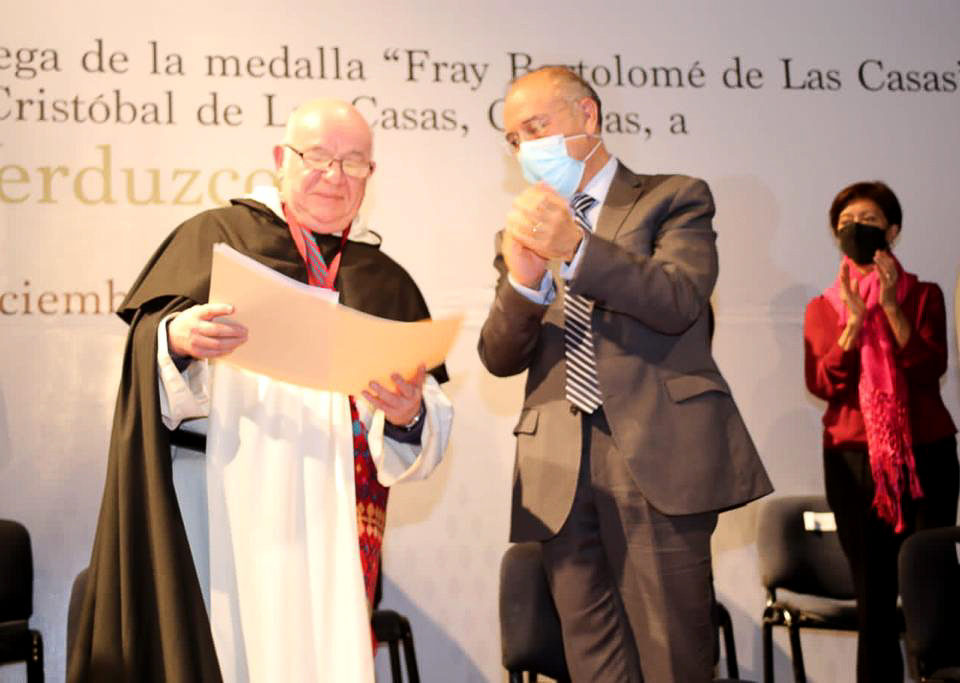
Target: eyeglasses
x,y
320,160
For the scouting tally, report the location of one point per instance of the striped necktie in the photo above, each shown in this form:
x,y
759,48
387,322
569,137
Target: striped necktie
x,y
583,389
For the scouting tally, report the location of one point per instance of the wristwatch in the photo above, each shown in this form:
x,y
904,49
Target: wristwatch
x,y
416,419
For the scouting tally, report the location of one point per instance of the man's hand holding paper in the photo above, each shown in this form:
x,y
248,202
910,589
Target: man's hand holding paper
x,y
350,352
196,332
203,331
402,406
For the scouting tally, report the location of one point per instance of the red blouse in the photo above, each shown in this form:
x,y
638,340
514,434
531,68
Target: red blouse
x,y
833,374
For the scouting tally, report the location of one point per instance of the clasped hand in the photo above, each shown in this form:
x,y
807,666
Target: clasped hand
x,y
197,333
540,227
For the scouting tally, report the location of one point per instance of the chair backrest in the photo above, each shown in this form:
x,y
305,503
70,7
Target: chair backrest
x,y
16,572
530,636
796,559
930,589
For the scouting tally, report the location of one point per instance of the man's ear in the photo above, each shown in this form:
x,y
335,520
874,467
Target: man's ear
x,y
278,152
589,109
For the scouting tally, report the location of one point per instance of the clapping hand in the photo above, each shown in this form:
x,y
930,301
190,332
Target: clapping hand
x,y
888,274
526,266
856,309
850,295
540,220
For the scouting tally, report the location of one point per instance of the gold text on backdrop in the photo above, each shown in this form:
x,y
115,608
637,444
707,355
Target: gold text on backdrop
x,y
103,183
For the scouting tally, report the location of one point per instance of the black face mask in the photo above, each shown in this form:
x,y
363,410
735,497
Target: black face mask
x,y
860,242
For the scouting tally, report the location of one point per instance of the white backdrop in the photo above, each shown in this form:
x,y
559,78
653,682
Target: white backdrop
x,y
830,93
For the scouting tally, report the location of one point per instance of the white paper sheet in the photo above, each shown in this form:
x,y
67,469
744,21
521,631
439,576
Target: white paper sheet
x,y
301,335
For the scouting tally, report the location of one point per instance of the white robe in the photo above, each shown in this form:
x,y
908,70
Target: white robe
x,y
273,530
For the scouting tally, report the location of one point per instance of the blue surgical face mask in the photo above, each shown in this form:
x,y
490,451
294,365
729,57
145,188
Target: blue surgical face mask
x,y
547,159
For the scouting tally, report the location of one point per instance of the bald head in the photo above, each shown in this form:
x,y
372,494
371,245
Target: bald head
x,y
327,114
561,82
322,197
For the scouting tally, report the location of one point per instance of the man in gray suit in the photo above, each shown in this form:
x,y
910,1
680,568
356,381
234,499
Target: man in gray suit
x,y
629,442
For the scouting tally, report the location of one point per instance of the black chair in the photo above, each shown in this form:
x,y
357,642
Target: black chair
x,y
806,577
530,638
393,628
930,590
725,625
18,642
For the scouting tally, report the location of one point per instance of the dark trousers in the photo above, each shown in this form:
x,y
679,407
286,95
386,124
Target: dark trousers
x,y
871,546
633,586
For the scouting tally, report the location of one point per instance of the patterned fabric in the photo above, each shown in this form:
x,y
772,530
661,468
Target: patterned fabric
x,y
371,505
315,265
583,388
371,495
883,394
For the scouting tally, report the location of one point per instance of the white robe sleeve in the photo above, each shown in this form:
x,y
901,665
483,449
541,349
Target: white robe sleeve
x,y
398,462
182,395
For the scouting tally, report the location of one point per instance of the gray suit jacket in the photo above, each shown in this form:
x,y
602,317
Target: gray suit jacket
x,y
650,267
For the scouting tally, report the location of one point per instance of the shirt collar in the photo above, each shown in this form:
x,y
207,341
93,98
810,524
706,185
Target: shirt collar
x,y
599,185
269,196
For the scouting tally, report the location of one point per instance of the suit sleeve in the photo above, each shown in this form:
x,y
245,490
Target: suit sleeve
x,y
512,328
667,288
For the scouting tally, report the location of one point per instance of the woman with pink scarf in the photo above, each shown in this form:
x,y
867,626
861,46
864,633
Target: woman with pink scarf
x,y
875,349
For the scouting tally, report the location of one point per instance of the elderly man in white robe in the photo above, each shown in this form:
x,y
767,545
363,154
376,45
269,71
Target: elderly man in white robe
x,y
284,560
284,511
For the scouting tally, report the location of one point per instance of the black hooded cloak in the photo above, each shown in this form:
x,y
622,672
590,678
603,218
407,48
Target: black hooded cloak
x,y
142,616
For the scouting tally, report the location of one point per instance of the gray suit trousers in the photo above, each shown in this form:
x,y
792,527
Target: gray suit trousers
x,y
633,586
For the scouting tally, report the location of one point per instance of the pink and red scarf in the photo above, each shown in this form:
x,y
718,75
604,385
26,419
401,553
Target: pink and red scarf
x,y
884,400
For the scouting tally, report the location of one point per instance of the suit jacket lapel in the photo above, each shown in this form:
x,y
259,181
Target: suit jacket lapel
x,y
624,192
